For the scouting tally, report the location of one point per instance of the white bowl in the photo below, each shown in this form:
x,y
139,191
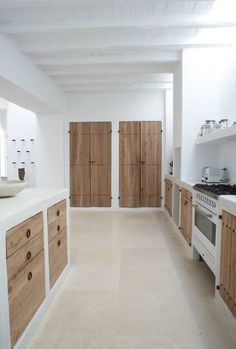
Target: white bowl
x,y
11,188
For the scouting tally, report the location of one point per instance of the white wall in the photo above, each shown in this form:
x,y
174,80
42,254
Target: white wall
x,y
21,130
115,107
209,90
50,152
168,146
46,150
202,76
23,83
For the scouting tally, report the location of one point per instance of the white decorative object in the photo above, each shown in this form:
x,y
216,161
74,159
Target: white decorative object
x,y
11,188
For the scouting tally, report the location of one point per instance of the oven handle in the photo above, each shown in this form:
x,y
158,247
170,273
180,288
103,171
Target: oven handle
x,y
202,212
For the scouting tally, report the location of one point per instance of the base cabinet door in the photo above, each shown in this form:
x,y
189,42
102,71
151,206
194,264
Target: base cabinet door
x,y
186,215
228,261
168,196
57,255
57,240
26,293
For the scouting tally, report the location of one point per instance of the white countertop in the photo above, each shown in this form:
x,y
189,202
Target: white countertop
x,y
187,184
228,203
29,201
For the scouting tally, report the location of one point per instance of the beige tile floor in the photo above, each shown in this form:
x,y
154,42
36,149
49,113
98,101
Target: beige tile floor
x,y
132,287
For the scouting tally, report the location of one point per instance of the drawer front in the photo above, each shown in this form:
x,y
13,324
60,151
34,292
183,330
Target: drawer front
x,y
23,232
57,255
24,255
26,293
55,227
56,211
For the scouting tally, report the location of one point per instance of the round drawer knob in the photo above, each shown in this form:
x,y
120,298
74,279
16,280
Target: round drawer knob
x,y
30,275
58,213
28,233
58,228
58,243
29,255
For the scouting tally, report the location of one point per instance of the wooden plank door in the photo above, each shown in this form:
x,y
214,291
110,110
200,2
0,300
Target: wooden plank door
x,y
80,164
129,164
232,281
226,237
101,164
151,164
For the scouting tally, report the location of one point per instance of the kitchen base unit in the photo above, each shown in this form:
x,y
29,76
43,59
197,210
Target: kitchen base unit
x,y
34,260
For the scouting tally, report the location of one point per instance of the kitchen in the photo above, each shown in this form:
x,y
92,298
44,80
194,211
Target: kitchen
x,y
119,126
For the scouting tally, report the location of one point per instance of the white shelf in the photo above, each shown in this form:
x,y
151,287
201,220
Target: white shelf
x,y
218,136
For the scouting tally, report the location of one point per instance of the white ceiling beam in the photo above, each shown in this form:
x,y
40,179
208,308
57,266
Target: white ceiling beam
x,y
122,87
161,21
114,78
162,46
160,57
108,69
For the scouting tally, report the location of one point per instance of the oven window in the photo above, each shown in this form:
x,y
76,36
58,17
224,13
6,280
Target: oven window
x,y
206,226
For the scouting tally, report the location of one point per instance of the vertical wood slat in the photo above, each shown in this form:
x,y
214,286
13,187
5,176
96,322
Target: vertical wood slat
x,y
226,239
129,177
232,280
101,164
186,214
80,171
150,163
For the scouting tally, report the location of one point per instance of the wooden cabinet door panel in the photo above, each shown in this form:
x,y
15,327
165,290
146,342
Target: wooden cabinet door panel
x,y
186,215
130,164
168,196
151,164
232,281
101,164
226,239
80,163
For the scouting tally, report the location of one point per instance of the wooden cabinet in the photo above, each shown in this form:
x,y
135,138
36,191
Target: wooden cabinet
x,y
57,240
140,164
228,261
26,275
168,196
90,164
186,215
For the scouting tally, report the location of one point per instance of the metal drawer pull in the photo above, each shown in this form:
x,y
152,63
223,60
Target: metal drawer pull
x,y
29,255
58,243
30,275
28,233
58,213
58,228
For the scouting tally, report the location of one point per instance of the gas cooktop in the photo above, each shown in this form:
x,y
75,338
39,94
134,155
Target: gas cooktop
x,y
214,190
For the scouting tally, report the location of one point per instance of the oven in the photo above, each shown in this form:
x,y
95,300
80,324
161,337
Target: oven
x,y
205,229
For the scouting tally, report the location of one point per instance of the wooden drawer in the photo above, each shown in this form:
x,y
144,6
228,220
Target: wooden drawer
x,y
186,193
26,293
57,210
24,255
57,255
55,227
23,232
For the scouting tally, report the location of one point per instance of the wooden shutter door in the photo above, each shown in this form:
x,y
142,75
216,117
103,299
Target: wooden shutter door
x,y
151,164
101,164
225,256
232,282
80,164
129,164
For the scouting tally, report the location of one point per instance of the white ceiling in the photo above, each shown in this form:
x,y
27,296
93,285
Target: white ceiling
x,y
110,44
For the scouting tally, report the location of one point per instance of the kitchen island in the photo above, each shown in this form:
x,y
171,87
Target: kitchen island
x,y
34,260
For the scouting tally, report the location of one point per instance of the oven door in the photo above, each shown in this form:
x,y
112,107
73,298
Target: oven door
x,y
205,227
